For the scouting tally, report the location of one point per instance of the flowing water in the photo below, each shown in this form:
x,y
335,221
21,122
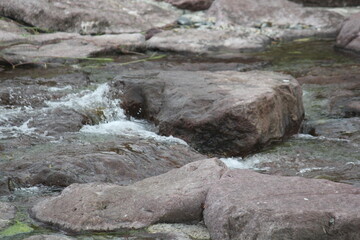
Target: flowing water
x,y
86,113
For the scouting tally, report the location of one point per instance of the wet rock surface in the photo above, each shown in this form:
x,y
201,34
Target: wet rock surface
x,y
176,196
7,213
280,208
236,114
348,37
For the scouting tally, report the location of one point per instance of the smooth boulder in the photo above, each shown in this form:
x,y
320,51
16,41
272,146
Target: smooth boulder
x,y
228,113
90,17
176,196
349,36
249,205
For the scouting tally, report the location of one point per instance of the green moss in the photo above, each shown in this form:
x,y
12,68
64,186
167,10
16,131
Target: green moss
x,y
17,228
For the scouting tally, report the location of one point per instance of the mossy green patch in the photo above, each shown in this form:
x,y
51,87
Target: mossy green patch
x,y
15,229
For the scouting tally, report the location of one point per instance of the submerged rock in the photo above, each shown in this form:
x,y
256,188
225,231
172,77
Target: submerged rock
x,y
176,196
349,36
227,113
248,205
7,214
90,17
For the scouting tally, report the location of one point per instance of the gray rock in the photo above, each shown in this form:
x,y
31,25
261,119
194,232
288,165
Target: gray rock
x,y
176,196
68,47
248,205
197,232
95,17
48,237
208,41
122,160
227,113
349,36
328,3
193,5
280,13
7,213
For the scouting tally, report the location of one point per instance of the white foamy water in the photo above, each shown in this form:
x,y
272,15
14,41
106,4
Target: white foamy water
x,y
16,131
247,163
115,122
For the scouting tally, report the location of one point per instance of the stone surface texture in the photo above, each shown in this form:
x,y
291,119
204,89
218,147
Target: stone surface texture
x,y
249,205
90,17
7,213
227,113
176,196
349,36
208,41
276,12
193,5
328,3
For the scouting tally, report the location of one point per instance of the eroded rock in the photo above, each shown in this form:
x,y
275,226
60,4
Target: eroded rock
x,y
49,237
248,205
176,196
349,36
227,113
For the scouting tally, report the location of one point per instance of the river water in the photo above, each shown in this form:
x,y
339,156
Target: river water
x,y
327,146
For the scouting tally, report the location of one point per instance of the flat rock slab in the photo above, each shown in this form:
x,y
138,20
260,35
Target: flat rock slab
x,y
209,40
176,196
279,13
7,213
229,113
91,17
66,47
249,205
349,36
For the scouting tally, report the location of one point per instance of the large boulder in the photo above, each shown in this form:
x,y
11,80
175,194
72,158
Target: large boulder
x,y
249,205
121,160
193,5
349,36
7,214
209,41
90,17
276,15
228,113
176,196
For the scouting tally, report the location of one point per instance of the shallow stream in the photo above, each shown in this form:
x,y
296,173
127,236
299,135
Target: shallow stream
x,y
328,146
